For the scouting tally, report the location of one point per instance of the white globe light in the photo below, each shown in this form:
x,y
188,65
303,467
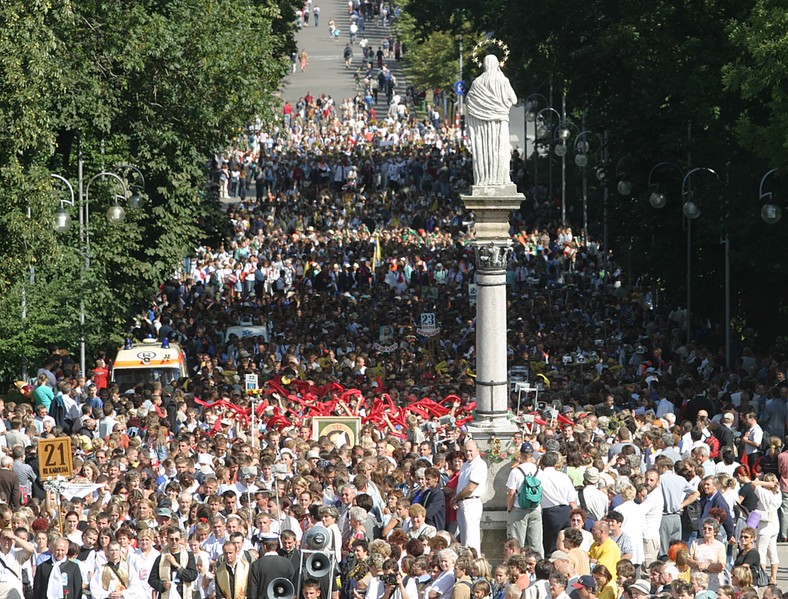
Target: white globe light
x,y
771,213
581,160
136,201
62,221
624,187
560,150
657,200
116,214
691,210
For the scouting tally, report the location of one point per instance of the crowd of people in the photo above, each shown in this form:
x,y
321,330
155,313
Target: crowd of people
x,y
642,467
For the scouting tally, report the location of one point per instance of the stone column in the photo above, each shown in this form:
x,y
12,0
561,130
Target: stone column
x,y
491,360
491,428
491,206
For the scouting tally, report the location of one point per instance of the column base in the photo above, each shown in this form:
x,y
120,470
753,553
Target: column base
x,y
483,427
496,449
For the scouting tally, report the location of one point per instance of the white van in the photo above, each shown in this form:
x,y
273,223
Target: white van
x,y
148,361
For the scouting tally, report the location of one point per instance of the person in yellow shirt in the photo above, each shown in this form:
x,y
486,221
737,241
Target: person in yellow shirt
x,y
604,550
605,584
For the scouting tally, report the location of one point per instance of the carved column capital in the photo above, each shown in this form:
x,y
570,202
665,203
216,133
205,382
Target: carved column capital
x,y
492,256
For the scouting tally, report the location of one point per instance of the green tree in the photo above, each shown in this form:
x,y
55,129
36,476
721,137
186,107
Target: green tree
x,y
759,73
162,85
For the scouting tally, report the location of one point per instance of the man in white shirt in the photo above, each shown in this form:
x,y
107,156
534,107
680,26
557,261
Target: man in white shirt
x,y
753,438
14,552
471,485
107,424
665,406
523,524
654,506
141,563
591,498
214,544
558,499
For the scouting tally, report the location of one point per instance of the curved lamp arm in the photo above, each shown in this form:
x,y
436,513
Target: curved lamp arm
x,y
690,209
771,213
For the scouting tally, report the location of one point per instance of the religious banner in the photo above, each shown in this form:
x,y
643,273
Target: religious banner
x,y
341,430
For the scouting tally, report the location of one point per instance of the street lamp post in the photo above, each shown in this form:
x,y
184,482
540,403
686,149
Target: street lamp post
x,y
541,131
563,134
531,105
115,214
691,212
582,148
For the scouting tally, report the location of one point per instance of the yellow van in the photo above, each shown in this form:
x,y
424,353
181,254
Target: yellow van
x,y
148,361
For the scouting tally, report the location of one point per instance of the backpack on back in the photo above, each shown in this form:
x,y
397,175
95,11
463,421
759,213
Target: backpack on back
x,y
530,493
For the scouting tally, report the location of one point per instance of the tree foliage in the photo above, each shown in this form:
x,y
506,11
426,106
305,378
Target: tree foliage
x,y
698,83
759,74
161,85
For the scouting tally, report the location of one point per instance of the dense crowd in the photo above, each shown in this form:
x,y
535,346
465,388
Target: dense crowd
x,y
641,468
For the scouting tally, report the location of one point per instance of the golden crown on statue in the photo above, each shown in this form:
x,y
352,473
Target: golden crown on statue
x,y
484,43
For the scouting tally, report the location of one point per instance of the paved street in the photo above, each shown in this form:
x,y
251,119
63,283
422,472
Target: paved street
x,y
326,72
782,574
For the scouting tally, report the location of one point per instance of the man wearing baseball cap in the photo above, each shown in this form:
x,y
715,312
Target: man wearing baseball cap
x,y
523,524
586,587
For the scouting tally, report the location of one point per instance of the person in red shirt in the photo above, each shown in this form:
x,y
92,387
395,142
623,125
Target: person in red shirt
x,y
100,374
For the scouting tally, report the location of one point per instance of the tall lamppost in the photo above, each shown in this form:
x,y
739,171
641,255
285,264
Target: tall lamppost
x,y
690,211
544,128
562,137
531,105
582,148
116,214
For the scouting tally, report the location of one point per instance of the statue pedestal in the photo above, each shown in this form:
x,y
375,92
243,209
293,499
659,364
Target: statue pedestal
x,y
499,466
491,205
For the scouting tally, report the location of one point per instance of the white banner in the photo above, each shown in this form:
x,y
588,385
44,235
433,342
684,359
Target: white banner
x,y
71,490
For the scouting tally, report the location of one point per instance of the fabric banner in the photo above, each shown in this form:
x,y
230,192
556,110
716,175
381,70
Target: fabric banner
x,y
72,490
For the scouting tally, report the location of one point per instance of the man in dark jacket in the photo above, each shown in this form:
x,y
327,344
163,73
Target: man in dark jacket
x,y
724,433
434,500
9,483
174,565
712,498
267,568
58,577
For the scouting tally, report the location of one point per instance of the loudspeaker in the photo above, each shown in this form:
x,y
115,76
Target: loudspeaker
x,y
316,538
318,565
280,588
